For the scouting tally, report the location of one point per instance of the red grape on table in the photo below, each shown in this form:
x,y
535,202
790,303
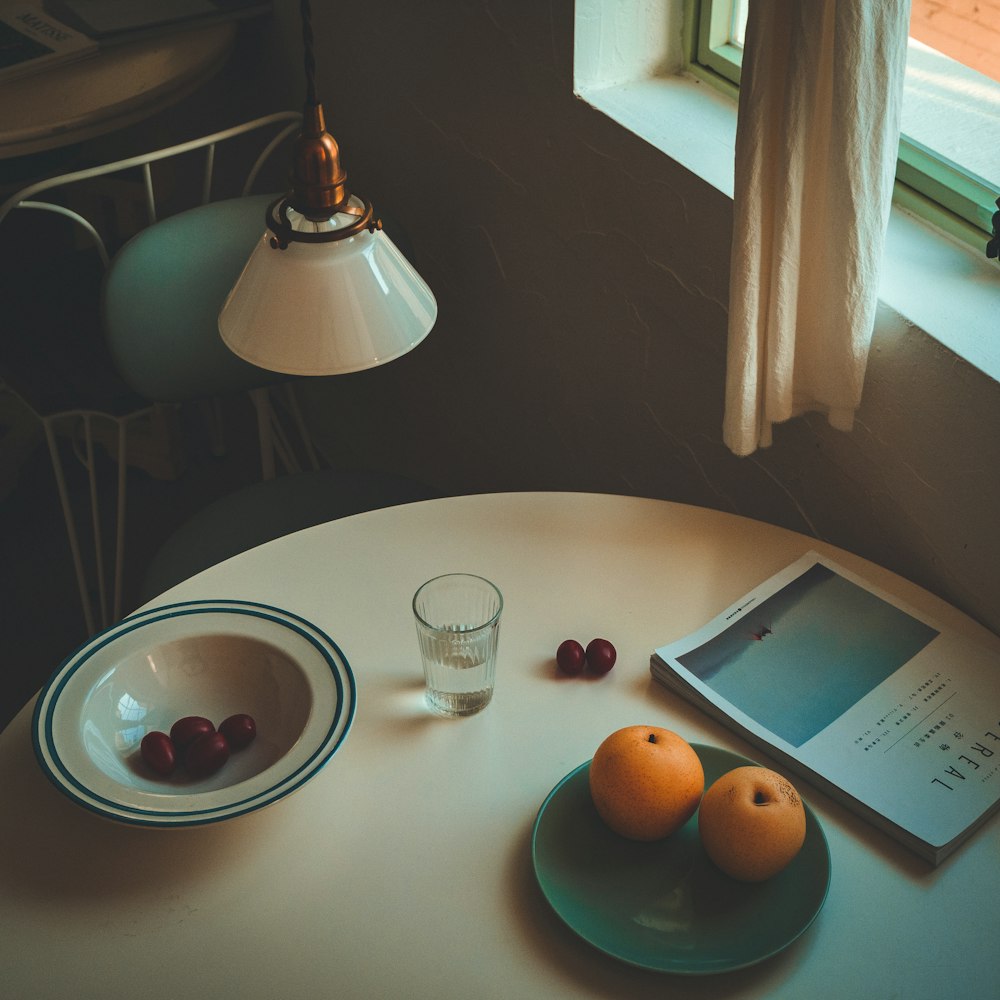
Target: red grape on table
x,y
601,656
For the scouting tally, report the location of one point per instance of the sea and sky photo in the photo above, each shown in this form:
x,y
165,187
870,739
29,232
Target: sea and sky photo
x,y
809,652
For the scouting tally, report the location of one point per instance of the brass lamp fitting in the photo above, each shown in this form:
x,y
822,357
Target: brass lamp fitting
x,y
319,189
319,181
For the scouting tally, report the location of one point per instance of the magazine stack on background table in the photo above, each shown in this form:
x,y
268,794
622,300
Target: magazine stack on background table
x,y
841,683
32,40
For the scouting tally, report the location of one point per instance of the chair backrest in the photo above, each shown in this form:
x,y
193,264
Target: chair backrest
x,y
56,353
161,300
275,128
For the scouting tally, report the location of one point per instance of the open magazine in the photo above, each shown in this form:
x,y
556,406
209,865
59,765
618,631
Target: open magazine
x,y
890,714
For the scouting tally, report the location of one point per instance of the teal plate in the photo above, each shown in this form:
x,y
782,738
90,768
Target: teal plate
x,y
664,906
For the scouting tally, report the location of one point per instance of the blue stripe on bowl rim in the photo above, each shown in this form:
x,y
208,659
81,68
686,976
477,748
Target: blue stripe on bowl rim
x,y
68,776
61,776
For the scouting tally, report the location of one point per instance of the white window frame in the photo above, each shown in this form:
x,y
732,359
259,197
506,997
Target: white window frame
x,y
927,183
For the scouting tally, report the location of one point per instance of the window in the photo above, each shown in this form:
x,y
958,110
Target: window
x,y
632,63
949,154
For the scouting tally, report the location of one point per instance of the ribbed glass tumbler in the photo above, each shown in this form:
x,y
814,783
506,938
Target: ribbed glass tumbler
x,y
458,627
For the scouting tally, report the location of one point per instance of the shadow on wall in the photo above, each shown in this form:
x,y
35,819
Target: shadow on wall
x,y
582,282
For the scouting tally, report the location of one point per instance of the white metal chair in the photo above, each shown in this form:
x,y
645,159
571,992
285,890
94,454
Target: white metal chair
x,y
153,342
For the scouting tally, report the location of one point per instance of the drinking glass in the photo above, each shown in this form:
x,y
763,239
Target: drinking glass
x,y
457,616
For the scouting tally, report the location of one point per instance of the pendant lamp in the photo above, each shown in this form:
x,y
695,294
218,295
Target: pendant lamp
x,y
325,291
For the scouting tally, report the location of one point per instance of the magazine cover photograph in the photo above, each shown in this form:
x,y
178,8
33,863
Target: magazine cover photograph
x,y
809,653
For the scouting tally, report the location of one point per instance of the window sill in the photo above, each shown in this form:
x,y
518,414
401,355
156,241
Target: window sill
x,y
938,285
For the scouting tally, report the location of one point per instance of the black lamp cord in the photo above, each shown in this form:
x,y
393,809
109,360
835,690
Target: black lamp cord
x,y
309,59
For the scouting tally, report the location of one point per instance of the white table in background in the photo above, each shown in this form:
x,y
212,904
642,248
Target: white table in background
x,y
403,869
118,86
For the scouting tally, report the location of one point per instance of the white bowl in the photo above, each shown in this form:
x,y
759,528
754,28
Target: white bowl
x,y
208,658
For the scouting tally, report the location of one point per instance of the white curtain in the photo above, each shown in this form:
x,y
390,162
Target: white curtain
x,y
816,151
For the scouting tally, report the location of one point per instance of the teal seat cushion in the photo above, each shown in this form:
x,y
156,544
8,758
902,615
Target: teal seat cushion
x,y
161,300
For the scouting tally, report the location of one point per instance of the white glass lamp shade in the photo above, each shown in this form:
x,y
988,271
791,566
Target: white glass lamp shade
x,y
326,308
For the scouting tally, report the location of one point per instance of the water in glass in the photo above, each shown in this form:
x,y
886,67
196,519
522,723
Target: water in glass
x,y
459,667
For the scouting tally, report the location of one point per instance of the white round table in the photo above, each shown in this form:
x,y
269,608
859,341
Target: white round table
x,y
404,868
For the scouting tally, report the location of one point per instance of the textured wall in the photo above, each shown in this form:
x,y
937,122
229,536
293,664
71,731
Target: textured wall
x,y
582,282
